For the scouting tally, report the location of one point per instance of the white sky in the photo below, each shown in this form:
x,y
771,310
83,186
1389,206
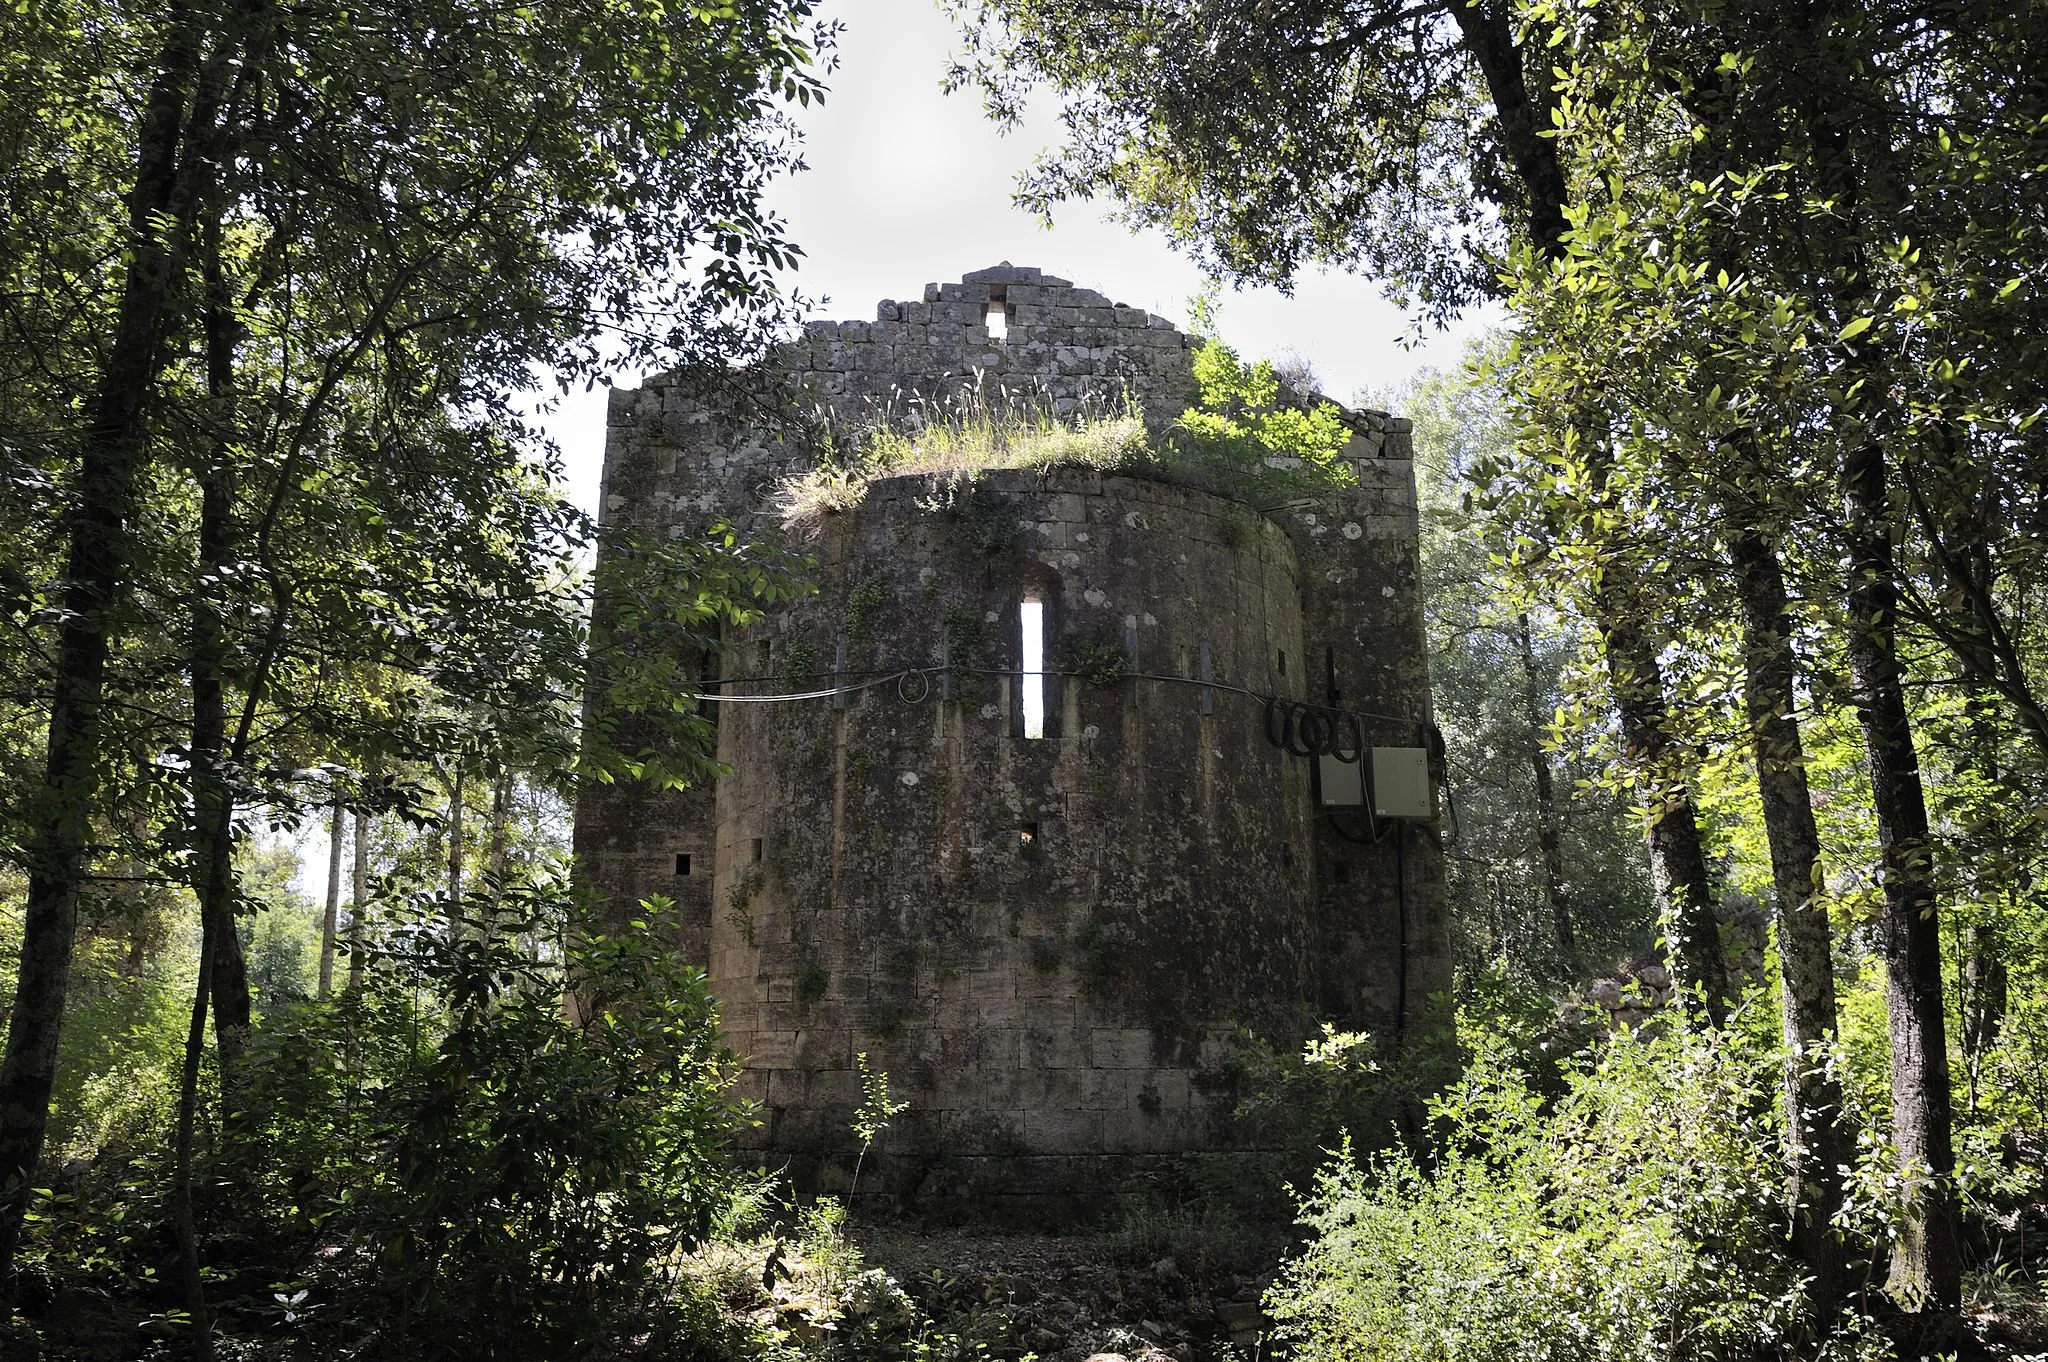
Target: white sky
x,y
907,186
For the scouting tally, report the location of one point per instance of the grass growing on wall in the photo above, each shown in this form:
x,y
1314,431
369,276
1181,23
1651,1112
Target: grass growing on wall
x,y
1249,440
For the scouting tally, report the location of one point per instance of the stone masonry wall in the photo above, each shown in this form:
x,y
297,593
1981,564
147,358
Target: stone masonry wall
x,y
1052,1008
1046,942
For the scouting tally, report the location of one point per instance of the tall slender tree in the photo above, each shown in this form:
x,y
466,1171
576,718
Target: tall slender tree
x,y
413,204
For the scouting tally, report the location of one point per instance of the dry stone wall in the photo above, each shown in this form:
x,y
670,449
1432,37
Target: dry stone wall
x,y
1046,942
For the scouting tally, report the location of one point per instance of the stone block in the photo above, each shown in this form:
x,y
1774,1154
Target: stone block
x,y
1120,1048
1111,1089
1172,1089
1000,1049
1052,1047
822,1048
772,1050
1005,273
1135,1130
846,986
1063,1131
992,986
841,1087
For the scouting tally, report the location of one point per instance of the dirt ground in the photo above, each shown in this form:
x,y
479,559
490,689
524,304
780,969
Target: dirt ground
x,y
1068,1298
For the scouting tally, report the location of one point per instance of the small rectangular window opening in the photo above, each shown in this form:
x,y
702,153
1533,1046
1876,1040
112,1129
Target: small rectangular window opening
x,y
1340,872
757,851
998,321
1027,833
1031,615
764,652
682,863
1283,662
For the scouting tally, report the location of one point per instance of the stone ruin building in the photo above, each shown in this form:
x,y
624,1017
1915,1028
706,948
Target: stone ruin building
x,y
1044,903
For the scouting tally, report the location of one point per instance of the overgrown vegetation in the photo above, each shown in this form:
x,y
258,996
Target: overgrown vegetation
x,y
1250,440
1760,521
439,1164
1734,542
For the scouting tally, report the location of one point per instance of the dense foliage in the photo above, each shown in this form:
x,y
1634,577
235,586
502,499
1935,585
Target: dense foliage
x,y
275,538
1762,483
1732,542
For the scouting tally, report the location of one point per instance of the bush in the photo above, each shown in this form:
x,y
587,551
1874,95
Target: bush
x,y
1638,1215
481,1177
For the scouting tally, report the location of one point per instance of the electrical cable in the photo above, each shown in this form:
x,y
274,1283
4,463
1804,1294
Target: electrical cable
x,y
1291,725
883,677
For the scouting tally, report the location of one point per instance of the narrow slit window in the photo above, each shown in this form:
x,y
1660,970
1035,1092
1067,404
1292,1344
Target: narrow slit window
x,y
1031,614
682,863
998,321
1283,662
757,851
1027,834
764,653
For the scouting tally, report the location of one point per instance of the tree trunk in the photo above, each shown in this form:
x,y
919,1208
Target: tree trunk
x,y
1522,112
114,451
455,847
501,807
184,1222
359,897
1926,1270
1678,859
213,844
1820,1142
214,822
1549,823
1985,981
330,921
1996,878
233,1016
212,828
